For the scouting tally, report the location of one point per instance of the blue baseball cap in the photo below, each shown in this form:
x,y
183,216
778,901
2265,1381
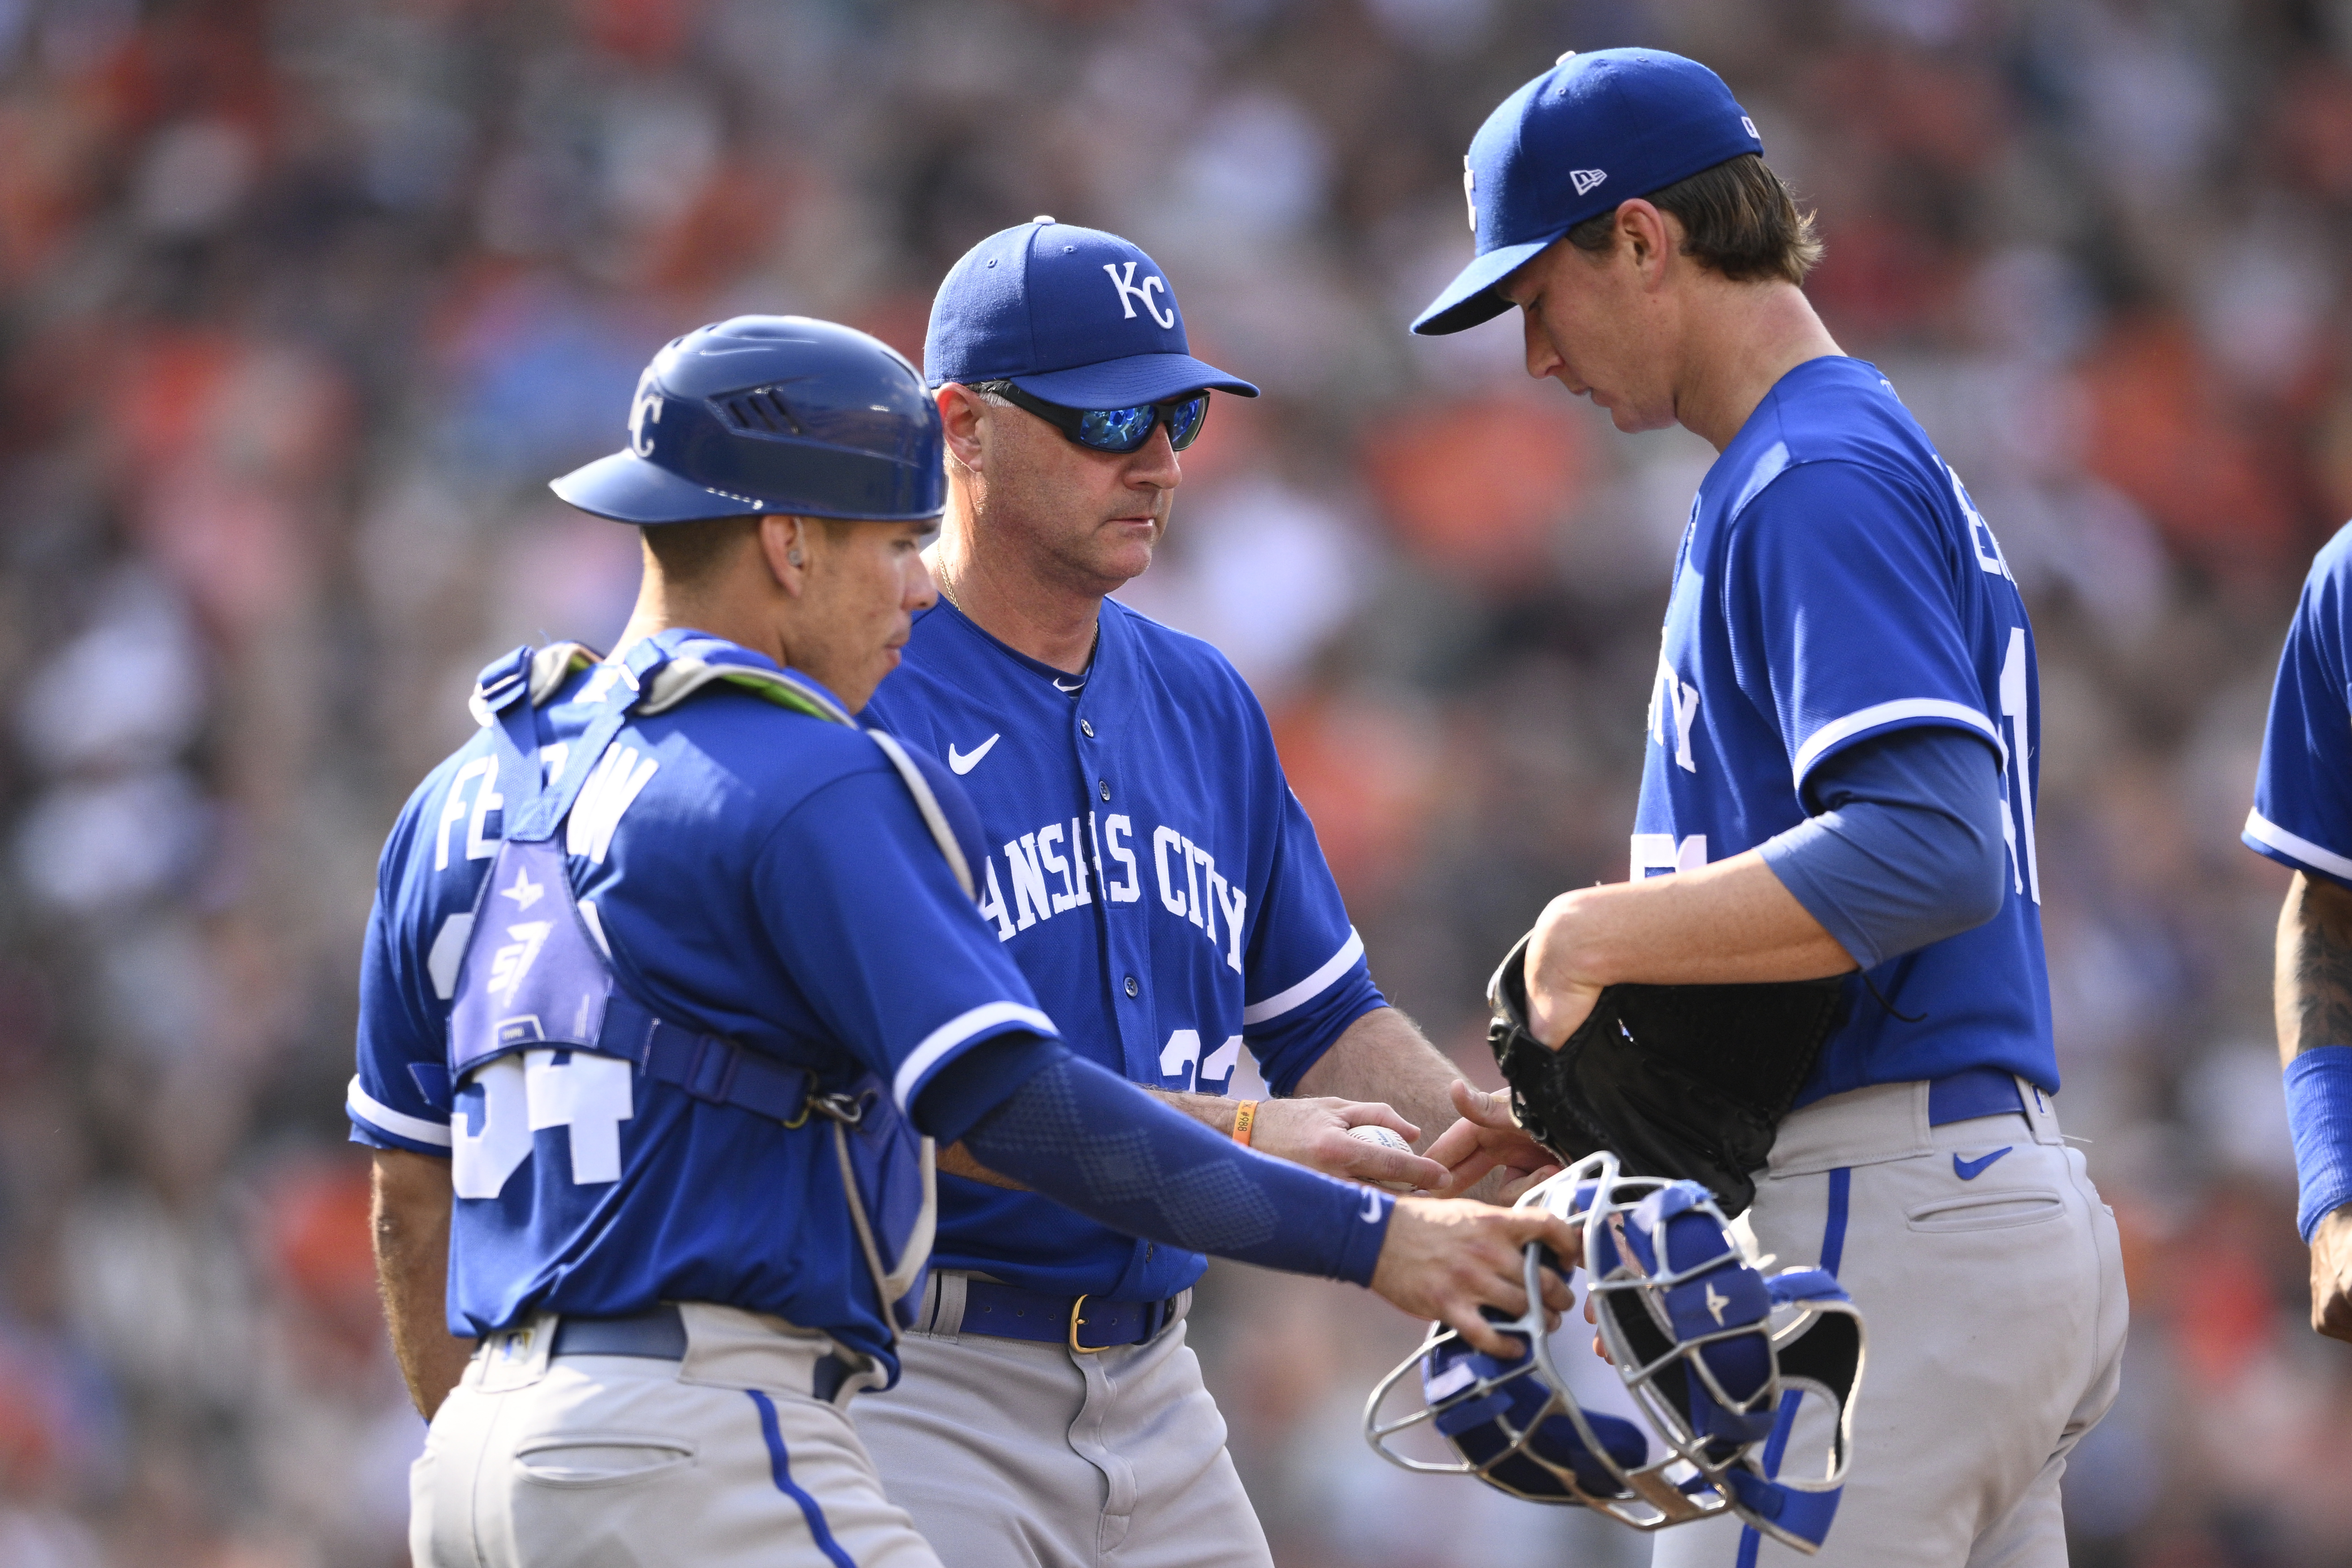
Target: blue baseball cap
x,y
1072,315
1592,131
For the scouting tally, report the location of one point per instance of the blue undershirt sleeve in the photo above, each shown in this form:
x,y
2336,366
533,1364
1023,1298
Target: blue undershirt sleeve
x,y
1094,1143
1906,847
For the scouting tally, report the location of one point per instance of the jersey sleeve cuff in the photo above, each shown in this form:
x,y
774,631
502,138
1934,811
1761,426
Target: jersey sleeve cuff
x,y
1283,1002
390,1129
2267,837
1839,734
942,1044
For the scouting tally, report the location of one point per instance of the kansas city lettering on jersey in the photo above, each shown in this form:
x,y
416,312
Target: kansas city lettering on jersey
x,y
1047,874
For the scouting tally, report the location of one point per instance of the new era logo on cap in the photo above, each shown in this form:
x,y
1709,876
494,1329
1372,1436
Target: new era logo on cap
x,y
1585,179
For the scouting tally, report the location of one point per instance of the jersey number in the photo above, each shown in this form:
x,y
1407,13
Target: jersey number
x,y
1180,1058
516,1095
2017,824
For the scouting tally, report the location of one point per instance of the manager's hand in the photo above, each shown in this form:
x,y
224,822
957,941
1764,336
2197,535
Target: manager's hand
x,y
1314,1133
1446,1258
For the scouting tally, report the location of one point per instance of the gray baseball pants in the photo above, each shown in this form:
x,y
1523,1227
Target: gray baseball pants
x,y
1016,1454
605,1461
1992,1287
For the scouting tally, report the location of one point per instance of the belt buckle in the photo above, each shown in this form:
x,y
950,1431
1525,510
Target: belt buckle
x,y
1075,1308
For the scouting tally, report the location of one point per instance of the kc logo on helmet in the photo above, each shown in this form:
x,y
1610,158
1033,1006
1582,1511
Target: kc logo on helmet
x,y
1131,292
1585,179
645,410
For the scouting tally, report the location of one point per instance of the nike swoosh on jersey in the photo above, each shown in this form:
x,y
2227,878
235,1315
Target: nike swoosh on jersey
x,y
964,762
1081,685
1970,1170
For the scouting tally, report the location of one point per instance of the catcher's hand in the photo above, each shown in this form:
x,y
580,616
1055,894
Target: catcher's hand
x,y
1488,1137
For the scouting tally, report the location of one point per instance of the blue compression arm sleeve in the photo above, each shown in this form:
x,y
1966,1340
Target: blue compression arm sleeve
x,y
2319,1118
1907,848
1093,1141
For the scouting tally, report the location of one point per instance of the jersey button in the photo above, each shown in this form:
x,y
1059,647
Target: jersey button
x,y
1104,784
1132,988
1086,729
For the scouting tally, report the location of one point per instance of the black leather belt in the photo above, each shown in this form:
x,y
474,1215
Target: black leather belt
x,y
1085,1323
659,1334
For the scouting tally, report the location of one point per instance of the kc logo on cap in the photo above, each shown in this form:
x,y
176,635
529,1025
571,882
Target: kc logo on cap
x,y
1128,293
1033,305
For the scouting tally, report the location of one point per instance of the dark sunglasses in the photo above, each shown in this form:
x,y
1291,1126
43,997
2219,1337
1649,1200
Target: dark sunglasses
x,y
1113,429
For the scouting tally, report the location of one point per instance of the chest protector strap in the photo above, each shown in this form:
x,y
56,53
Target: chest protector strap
x,y
536,976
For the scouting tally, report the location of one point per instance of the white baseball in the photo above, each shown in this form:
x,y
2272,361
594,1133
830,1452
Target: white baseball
x,y
1372,1133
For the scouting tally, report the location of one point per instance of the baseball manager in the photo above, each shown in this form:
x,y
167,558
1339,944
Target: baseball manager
x,y
1146,865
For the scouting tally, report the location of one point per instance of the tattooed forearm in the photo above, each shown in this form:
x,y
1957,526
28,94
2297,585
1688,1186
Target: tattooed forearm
x,y
2314,968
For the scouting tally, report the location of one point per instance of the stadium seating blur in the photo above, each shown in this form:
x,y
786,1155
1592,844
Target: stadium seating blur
x,y
302,304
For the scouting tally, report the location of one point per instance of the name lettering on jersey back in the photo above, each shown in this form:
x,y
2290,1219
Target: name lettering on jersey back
x,y
1987,548
619,777
473,795
1060,866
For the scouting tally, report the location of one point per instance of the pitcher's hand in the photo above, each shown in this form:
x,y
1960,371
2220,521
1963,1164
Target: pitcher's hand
x,y
1444,1258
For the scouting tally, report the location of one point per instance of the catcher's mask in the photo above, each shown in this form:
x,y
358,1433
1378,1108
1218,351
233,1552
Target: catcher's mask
x,y
1717,1357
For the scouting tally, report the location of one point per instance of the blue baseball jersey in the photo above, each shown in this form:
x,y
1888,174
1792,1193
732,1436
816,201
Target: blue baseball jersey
x,y
751,872
2302,793
1156,881
1835,584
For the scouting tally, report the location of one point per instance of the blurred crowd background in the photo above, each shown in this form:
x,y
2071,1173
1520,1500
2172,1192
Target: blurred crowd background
x,y
300,305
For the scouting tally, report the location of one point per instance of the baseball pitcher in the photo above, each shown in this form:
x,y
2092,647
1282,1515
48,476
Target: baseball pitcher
x,y
1843,734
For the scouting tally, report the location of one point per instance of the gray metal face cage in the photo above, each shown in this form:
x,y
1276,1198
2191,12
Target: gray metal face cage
x,y
1683,1483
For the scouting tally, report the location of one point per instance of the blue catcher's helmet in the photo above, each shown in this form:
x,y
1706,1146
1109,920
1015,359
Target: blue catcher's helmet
x,y
1714,1355
782,414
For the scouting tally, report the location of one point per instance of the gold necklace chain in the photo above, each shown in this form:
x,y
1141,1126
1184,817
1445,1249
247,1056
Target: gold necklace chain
x,y
947,591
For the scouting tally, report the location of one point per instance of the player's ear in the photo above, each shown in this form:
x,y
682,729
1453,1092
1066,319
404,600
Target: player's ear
x,y
962,412
1644,230
783,549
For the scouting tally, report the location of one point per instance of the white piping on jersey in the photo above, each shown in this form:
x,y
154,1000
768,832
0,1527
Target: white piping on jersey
x,y
384,1119
955,1032
1306,990
1837,729
1769,467
2302,849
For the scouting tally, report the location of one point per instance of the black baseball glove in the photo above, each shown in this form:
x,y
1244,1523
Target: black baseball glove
x,y
1676,1081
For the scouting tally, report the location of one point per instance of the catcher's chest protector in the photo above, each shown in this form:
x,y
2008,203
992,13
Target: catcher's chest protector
x,y
539,1019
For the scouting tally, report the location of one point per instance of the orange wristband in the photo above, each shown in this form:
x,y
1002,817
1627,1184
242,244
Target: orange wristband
x,y
1244,1118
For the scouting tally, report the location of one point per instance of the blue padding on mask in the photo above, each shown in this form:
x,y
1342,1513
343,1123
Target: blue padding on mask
x,y
1807,1515
2319,1115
